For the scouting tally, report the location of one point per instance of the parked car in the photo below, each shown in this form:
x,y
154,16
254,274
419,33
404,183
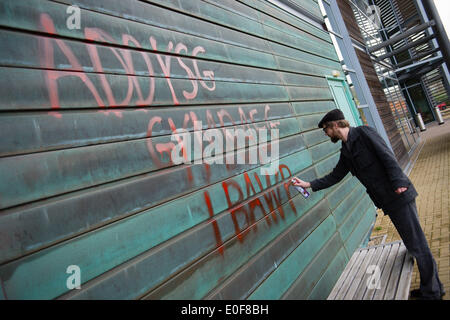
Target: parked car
x,y
442,106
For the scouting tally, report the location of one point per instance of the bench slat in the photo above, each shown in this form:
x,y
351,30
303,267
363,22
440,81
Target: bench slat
x,y
343,277
405,283
359,276
386,272
395,267
370,293
351,275
363,284
395,274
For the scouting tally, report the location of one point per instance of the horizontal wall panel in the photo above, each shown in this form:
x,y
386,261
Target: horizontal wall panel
x,y
114,60
72,93
47,16
306,282
287,63
88,117
140,63
299,39
345,207
284,275
338,194
160,265
253,273
305,108
326,283
354,217
326,166
45,169
41,131
361,231
314,137
310,93
199,282
50,18
323,150
309,6
310,121
274,15
96,206
113,245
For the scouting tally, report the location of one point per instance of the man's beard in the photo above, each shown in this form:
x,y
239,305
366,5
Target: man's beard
x,y
334,139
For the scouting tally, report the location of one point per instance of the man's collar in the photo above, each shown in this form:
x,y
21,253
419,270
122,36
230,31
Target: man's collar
x,y
351,136
347,146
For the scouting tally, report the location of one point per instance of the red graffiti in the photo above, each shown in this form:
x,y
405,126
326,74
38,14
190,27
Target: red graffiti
x,y
286,185
52,76
165,66
95,34
126,39
243,213
239,210
214,222
134,94
243,210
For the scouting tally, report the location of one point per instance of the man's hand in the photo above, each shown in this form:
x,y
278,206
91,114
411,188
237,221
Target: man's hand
x,y
300,183
400,190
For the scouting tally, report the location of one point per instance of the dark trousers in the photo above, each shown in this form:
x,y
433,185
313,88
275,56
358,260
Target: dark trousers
x,y
406,221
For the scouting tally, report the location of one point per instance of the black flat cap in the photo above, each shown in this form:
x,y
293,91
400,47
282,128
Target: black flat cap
x,y
332,115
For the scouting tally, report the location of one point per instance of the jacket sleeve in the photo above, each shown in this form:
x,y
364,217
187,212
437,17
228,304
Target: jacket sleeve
x,y
338,173
395,173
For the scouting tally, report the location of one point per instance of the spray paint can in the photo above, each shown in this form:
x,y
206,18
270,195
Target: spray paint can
x,y
301,190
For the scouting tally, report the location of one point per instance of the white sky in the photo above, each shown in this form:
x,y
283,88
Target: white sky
x,y
443,7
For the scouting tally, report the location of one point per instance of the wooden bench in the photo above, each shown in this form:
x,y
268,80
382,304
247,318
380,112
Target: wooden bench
x,y
381,272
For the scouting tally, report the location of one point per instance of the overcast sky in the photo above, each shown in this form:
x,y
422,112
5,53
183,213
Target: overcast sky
x,y
443,7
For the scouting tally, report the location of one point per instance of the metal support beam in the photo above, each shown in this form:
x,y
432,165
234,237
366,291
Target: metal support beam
x,y
418,72
408,46
441,37
414,65
417,57
402,36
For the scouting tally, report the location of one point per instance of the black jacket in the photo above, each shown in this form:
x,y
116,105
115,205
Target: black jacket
x,y
366,156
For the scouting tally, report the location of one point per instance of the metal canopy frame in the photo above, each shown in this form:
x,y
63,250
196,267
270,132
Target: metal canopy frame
x,y
414,65
406,47
421,70
401,36
417,57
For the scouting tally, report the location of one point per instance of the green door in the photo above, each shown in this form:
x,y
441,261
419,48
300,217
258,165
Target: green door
x,y
343,100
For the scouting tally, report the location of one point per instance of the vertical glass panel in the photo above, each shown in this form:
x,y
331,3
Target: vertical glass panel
x,y
366,117
420,102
